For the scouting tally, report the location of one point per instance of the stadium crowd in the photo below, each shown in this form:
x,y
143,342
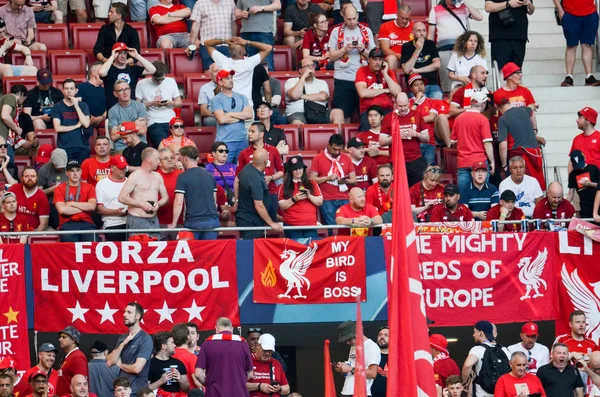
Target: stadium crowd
x,y
123,161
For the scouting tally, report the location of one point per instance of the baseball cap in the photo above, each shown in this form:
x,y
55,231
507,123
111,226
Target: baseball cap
x,y
589,114
439,342
451,188
8,362
128,127
577,159
508,195
120,46
294,163
176,120
509,69
47,347
6,195
70,330
98,347
376,53
224,73
267,342
59,158
355,142
479,97
119,161
73,164
414,77
487,328
480,165
530,329
44,154
44,76
37,373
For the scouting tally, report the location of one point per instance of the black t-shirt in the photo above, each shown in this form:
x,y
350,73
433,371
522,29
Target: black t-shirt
x,y
557,383
133,155
517,123
198,187
158,367
299,18
42,101
517,30
586,194
379,386
252,187
258,78
274,136
130,74
426,57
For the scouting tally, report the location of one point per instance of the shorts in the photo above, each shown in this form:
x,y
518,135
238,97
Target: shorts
x,y
346,97
17,69
580,29
137,222
101,7
374,16
43,16
178,40
73,4
296,116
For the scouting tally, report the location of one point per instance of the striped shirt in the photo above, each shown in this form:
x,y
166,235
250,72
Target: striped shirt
x,y
480,199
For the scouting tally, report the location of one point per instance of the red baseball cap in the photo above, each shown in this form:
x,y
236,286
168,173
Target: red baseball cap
x,y
414,77
480,165
509,69
589,114
439,342
224,73
37,373
128,127
176,120
44,153
120,46
8,362
119,161
530,329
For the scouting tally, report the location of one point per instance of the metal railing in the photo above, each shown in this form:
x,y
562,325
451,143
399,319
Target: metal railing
x,y
496,80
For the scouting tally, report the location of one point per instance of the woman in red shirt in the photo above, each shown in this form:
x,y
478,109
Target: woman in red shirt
x,y
427,193
315,45
299,198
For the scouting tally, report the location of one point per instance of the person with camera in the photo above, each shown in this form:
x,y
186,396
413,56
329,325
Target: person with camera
x,y
269,378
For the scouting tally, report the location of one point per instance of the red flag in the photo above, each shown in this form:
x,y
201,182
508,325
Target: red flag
x,y
360,375
409,351
329,383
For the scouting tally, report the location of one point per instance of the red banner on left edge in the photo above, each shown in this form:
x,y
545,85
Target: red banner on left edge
x,y
90,284
14,339
326,271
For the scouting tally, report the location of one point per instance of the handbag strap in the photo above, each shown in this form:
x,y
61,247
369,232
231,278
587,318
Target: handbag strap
x,y
223,178
454,15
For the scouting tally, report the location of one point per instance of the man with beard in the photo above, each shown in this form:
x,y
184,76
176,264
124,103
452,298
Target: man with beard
x,y
38,384
537,354
365,167
31,201
181,338
451,210
578,344
46,358
518,381
443,365
133,350
80,387
379,386
75,362
461,99
167,375
559,378
379,195
194,336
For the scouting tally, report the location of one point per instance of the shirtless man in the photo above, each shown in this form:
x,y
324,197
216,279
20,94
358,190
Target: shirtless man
x,y
141,191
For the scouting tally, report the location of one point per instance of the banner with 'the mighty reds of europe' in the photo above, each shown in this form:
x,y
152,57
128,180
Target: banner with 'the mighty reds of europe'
x,y
332,270
89,285
500,277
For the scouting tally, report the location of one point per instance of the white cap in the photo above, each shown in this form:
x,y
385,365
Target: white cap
x,y
479,96
267,342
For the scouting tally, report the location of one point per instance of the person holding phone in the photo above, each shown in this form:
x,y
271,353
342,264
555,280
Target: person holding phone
x,y
269,378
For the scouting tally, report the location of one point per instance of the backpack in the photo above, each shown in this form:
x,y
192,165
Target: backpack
x,y
493,365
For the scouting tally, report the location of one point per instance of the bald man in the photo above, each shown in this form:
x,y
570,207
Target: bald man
x,y
80,387
357,214
253,198
421,56
554,206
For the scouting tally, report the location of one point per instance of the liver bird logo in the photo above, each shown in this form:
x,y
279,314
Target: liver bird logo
x,y
585,299
294,268
531,273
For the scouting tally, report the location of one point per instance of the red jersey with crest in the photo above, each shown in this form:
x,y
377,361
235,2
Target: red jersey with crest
x,y
441,213
19,224
371,138
379,199
262,373
374,81
75,363
395,35
24,387
443,367
585,346
274,163
365,171
419,197
411,122
518,97
32,206
427,106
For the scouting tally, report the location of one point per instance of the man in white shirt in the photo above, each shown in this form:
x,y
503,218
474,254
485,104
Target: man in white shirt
x,y
347,334
114,213
526,188
160,95
207,93
537,354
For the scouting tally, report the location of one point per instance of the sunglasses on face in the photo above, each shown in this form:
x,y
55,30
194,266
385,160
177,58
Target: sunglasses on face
x,y
3,145
223,151
177,126
254,330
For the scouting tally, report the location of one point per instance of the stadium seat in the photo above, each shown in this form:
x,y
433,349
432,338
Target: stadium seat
x,y
400,78
307,156
46,137
153,54
68,61
291,136
203,137
180,64
9,81
55,36
45,239
316,136
419,8
282,58
192,82
279,38
84,35
445,179
349,131
58,79
186,112
38,57
142,30
438,156
21,162
450,161
283,77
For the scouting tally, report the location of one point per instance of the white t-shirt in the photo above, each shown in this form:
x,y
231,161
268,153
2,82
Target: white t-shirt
x,y
461,65
526,192
348,72
314,87
594,392
372,356
207,93
536,357
107,194
479,352
147,91
244,70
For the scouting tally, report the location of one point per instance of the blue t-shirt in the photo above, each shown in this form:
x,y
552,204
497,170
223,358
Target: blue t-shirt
x,y
480,200
139,347
235,132
92,96
68,117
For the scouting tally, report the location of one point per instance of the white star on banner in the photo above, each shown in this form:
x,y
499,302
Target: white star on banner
x,y
107,313
78,312
165,313
195,311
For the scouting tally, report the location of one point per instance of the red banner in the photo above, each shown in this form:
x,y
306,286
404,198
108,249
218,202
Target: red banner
x,y
326,271
89,284
14,339
500,277
579,275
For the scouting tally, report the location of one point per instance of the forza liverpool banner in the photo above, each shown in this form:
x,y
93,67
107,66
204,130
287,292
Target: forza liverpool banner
x,y
500,277
326,271
88,285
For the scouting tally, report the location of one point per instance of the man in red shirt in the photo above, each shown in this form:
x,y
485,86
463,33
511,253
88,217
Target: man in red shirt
x,y
269,378
579,345
451,210
169,173
589,140
516,94
443,365
376,85
31,201
11,220
46,358
394,33
274,169
74,363
381,154
357,213
38,384
96,168
365,167
181,336
408,125
554,206
378,195
169,22
74,201
506,211
518,381
474,140
461,98
579,20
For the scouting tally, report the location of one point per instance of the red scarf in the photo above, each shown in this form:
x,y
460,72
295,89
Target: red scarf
x,y
364,32
336,169
228,337
385,205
